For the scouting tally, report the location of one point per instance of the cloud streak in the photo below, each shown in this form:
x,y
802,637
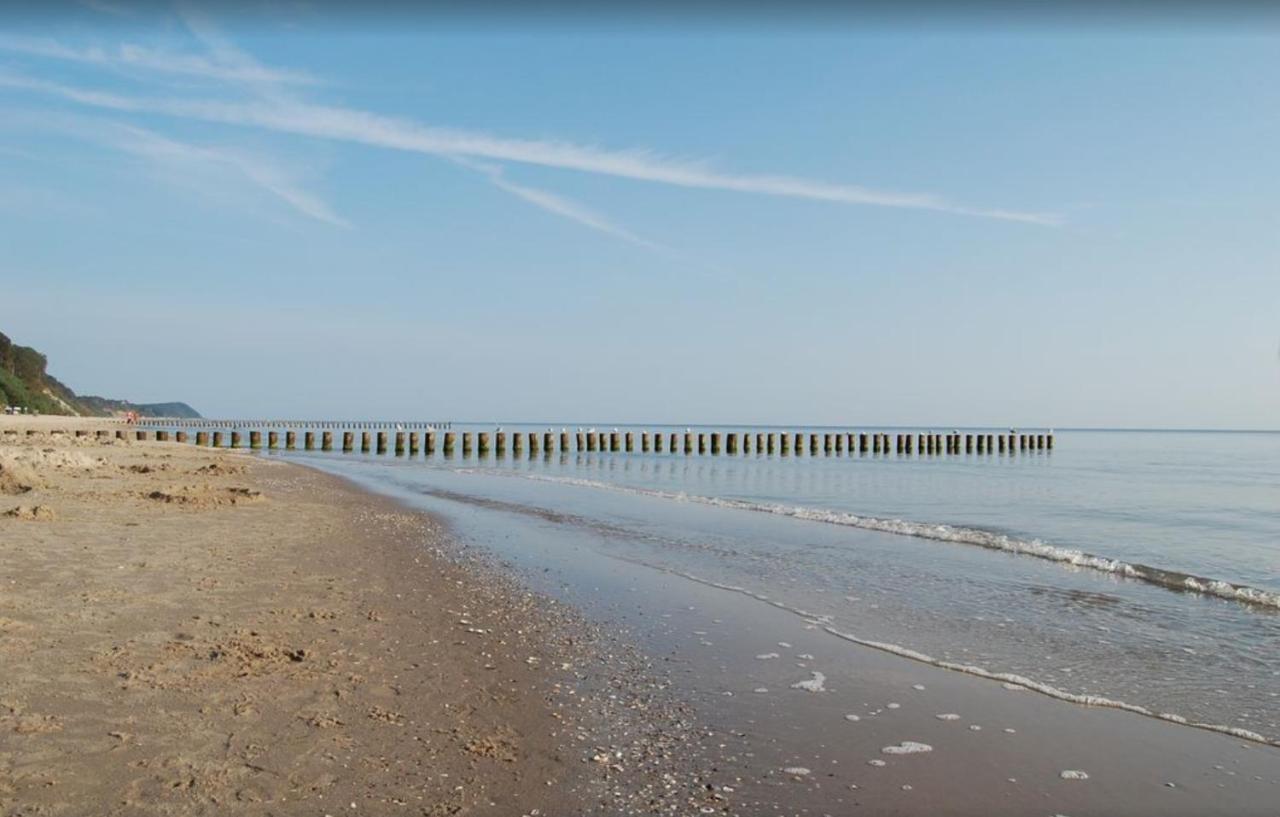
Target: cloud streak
x,y
554,203
265,174
147,59
366,128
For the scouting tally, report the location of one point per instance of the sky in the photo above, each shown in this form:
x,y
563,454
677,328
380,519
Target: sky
x,y
284,211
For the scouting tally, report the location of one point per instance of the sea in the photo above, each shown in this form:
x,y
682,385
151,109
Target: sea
x,y
1126,568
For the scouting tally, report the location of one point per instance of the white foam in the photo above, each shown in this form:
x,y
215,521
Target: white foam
x,y
765,656
1010,680
1073,774
948,716
907,747
852,718
815,684
991,540
797,771
876,762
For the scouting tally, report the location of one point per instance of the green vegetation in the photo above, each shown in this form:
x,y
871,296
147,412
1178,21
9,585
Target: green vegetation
x,y
25,383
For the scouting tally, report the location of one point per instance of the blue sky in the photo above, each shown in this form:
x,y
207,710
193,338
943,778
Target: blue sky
x,y
290,214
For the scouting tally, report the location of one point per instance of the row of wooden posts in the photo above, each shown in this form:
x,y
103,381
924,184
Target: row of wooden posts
x,y
713,442
333,424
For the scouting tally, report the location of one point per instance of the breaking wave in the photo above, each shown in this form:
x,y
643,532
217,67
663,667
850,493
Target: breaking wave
x,y
1161,577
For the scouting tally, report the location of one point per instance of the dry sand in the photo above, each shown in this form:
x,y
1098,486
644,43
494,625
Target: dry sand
x,y
184,631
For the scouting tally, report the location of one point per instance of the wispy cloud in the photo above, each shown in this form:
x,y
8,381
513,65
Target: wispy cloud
x,y
362,127
148,59
554,203
268,175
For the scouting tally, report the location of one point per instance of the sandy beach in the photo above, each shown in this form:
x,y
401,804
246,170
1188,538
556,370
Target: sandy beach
x,y
192,631
195,632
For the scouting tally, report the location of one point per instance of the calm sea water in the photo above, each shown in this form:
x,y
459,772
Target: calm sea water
x,y
1063,567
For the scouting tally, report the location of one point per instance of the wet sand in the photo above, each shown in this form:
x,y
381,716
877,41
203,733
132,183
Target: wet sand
x,y
789,745
185,632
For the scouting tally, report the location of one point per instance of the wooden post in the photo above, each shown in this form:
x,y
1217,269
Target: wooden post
x,y
614,442
348,442
1022,442
399,443
450,438
702,443
517,443
309,440
180,436
982,444
202,438
533,443
746,443
785,438
428,443
1040,442
909,440
798,444
657,442
500,443
582,441
863,443
591,441
673,440
828,445
564,442
839,444
875,443
382,442
644,442
760,442
715,442
482,443
468,443
731,443
1049,441
235,439
631,442
326,441
688,443
217,439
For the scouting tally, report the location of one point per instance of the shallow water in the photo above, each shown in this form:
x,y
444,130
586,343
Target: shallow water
x,y
855,542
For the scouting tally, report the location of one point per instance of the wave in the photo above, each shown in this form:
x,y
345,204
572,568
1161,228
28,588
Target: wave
x,y
1161,577
1009,679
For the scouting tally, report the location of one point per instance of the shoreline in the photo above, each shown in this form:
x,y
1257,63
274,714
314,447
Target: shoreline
x,y
194,631
782,692
191,646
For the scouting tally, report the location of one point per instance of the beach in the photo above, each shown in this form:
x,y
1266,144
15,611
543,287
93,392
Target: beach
x,y
190,632
200,631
